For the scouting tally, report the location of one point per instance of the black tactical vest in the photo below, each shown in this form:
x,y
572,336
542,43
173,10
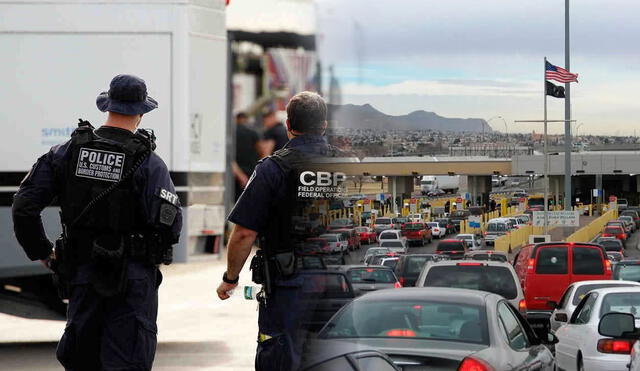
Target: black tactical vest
x,y
298,217
95,164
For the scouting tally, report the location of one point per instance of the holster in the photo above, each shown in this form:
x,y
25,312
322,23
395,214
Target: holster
x,y
108,262
150,248
61,268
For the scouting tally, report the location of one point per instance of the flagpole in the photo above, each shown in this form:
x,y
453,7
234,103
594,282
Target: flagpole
x,y
546,161
568,198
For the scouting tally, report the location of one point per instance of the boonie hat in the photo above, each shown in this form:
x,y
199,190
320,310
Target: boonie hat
x,y
127,95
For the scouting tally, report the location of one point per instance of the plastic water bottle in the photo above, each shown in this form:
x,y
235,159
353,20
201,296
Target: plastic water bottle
x,y
245,292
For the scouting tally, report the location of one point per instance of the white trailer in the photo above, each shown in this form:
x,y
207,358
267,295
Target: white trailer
x,y
447,183
57,55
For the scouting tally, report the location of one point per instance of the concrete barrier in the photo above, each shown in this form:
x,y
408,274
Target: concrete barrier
x,y
591,230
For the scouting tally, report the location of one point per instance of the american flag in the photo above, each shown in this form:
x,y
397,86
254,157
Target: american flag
x,y
559,74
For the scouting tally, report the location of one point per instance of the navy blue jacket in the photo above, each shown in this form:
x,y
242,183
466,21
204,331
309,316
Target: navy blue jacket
x,y
39,189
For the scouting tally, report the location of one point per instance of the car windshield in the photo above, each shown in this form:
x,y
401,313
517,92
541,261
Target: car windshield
x,y
371,275
414,264
583,290
497,227
416,319
388,236
497,280
414,226
612,230
391,263
493,257
464,237
611,245
627,272
326,285
330,237
362,229
377,250
383,221
450,246
391,244
400,220
433,224
623,302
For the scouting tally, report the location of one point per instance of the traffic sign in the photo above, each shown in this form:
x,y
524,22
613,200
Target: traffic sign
x,y
557,218
613,198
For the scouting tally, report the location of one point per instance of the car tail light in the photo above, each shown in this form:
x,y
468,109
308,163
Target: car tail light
x,y
401,281
607,263
615,346
401,333
485,233
469,264
397,285
522,306
532,261
474,364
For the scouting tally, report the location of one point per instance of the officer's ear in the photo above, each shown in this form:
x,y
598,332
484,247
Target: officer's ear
x,y
288,125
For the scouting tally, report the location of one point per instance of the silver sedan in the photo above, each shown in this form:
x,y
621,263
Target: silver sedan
x,y
442,329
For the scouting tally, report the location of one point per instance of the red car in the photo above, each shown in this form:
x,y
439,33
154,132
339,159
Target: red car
x,y
545,270
614,231
417,232
366,235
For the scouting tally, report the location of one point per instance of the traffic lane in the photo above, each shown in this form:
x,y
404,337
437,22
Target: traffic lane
x,y
632,245
357,256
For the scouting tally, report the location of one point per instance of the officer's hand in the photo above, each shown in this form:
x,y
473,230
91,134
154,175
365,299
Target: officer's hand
x,y
224,288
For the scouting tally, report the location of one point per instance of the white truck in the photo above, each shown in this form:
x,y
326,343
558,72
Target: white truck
x,y
446,183
58,55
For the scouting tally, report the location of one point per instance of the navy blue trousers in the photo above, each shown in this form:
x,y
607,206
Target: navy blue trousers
x,y
109,334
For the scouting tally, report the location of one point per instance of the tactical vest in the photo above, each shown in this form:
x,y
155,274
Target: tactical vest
x,y
299,216
95,164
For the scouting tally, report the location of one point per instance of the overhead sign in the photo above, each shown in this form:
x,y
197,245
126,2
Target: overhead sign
x,y
474,221
557,218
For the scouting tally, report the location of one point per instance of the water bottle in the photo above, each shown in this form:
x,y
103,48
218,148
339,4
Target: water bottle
x,y
245,292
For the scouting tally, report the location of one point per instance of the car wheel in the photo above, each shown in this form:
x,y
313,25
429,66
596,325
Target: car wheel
x,y
580,363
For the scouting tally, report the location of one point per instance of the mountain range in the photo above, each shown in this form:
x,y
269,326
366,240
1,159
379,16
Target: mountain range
x,y
367,117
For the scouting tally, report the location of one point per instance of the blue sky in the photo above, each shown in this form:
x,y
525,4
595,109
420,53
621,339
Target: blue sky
x,y
472,58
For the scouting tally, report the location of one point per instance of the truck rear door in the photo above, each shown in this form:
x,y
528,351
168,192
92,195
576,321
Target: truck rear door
x,y
547,276
588,263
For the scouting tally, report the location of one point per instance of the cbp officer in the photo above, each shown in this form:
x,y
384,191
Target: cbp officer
x,y
263,212
120,216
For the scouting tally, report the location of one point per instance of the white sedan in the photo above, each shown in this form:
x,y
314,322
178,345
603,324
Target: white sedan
x,y
574,293
580,345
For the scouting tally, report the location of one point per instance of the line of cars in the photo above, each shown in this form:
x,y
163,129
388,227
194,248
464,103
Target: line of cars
x,y
555,308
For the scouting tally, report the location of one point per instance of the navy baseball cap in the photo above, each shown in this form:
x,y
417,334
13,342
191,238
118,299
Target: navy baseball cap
x,y
127,95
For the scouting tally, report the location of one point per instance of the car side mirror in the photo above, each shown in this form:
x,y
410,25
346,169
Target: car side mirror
x,y
561,317
552,304
616,325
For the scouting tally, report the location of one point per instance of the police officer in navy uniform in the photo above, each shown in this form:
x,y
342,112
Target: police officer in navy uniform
x,y
120,216
263,213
